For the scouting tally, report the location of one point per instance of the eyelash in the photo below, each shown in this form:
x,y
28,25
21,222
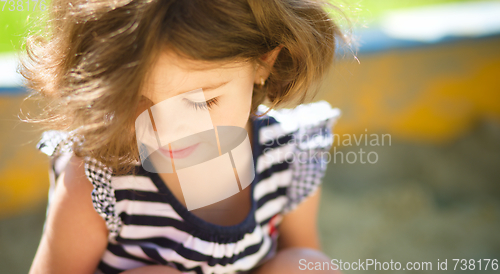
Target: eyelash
x,y
204,105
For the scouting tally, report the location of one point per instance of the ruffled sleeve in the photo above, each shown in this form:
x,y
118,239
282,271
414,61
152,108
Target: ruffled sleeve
x,y
54,142
312,125
103,195
58,145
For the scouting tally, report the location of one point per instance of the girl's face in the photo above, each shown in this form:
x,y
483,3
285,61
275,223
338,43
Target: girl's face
x,y
173,96
227,88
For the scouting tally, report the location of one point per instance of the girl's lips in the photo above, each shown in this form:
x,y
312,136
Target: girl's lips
x,y
179,153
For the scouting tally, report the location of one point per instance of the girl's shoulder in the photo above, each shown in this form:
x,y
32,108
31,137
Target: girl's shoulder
x,y
300,137
303,116
58,145
55,142
307,127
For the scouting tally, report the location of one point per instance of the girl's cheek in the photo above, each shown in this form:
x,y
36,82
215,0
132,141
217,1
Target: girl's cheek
x,y
233,111
222,118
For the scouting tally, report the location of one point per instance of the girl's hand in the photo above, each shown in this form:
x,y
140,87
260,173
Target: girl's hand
x,y
153,269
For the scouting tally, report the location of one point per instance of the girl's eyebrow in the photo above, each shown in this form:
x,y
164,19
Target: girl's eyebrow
x,y
207,88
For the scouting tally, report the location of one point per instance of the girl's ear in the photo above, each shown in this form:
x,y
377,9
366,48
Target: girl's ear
x,y
271,56
268,58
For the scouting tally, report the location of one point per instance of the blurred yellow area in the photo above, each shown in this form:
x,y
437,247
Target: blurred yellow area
x,y
425,94
23,170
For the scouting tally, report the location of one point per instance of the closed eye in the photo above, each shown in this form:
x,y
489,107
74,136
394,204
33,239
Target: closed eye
x,y
207,105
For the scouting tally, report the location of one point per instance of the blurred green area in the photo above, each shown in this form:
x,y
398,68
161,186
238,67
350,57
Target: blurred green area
x,y
371,9
15,24
18,21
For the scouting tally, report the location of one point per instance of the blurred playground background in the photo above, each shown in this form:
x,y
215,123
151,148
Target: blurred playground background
x,y
426,72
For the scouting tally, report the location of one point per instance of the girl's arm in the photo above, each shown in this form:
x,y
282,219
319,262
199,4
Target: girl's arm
x,y
75,236
299,227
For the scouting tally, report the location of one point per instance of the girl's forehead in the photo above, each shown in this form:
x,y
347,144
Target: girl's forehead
x,y
170,61
172,72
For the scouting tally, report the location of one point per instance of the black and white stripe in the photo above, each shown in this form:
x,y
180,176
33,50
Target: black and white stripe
x,y
145,228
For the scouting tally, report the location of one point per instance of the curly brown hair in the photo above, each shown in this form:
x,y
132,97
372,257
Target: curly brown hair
x,y
90,67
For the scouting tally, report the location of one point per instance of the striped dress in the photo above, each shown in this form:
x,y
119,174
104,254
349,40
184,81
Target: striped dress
x,y
148,225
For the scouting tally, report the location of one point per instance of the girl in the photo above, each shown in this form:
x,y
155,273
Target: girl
x,y
106,62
